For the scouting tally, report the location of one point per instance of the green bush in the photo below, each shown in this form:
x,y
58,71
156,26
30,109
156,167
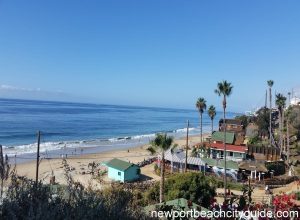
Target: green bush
x,y
25,200
192,186
235,186
254,140
230,185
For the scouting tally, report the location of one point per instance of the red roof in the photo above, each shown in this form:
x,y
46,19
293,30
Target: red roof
x,y
229,147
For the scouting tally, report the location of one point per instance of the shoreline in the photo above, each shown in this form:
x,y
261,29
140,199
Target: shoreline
x,y
82,149
79,163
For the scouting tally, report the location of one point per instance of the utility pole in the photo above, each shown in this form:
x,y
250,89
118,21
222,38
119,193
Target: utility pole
x,y
38,158
2,170
187,145
1,158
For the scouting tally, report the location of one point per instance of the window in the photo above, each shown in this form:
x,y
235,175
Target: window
x,y
119,173
231,154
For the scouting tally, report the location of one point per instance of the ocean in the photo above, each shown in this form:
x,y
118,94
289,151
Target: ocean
x,y
81,128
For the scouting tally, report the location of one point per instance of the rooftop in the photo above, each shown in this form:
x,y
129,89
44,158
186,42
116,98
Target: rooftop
x,y
231,121
119,164
179,157
219,136
220,163
229,147
252,165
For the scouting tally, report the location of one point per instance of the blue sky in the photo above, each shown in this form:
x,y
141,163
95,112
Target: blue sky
x,y
150,53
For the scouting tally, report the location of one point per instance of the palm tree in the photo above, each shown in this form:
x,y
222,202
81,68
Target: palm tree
x,y
280,102
270,84
201,106
212,113
288,112
160,144
224,89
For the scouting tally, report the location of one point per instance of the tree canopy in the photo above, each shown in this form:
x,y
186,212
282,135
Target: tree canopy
x,y
196,187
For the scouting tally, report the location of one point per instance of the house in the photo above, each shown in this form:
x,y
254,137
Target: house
x,y
234,146
119,170
295,101
177,161
234,152
233,125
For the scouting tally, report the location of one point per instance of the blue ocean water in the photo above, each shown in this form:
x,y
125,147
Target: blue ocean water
x,y
71,125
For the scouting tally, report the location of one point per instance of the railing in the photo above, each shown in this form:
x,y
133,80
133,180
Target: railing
x,y
236,159
262,198
280,182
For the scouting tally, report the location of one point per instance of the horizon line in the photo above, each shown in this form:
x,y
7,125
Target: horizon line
x,y
91,103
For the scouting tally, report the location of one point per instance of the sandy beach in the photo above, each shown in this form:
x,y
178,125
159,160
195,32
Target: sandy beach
x,y
80,169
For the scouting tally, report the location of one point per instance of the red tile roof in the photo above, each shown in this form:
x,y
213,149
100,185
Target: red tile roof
x,y
229,147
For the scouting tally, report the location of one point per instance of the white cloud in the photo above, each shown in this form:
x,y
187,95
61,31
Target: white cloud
x,y
15,92
14,88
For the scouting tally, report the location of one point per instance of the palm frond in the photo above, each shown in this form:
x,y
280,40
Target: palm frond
x,y
212,112
161,142
151,150
280,101
270,83
201,104
173,148
224,88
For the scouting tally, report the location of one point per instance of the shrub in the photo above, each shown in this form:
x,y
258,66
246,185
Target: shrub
x,y
26,200
192,186
254,140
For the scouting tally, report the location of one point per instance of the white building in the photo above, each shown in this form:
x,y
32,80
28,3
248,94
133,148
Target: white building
x,y
295,101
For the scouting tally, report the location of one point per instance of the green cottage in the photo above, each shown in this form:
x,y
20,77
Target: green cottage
x,y
119,170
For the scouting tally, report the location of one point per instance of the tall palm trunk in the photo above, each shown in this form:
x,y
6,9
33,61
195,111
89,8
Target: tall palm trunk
x,y
270,128
282,127
280,131
225,150
288,141
162,178
212,126
201,128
